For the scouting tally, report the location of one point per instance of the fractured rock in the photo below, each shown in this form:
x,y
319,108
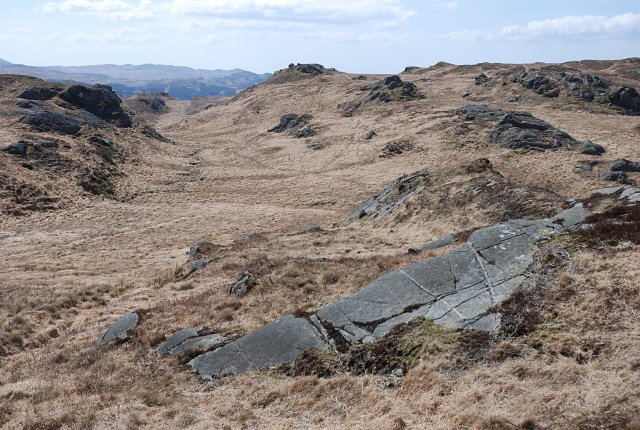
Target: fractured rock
x,y
121,330
277,343
176,339
290,121
391,197
199,344
18,148
242,285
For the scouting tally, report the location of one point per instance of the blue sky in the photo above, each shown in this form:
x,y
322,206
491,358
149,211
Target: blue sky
x,y
374,36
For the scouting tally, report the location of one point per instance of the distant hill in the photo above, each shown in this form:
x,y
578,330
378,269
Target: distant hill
x,y
179,81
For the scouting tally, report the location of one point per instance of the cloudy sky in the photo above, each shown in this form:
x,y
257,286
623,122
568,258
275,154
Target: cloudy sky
x,y
371,36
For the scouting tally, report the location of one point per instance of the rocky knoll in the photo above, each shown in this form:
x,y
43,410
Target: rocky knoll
x,y
580,85
389,89
454,290
519,130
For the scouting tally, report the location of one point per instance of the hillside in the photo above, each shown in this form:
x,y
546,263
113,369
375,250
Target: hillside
x,y
448,247
180,82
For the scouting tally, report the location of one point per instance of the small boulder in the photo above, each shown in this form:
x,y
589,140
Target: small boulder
x,y
481,79
624,165
101,141
121,330
242,285
18,148
370,135
590,148
620,177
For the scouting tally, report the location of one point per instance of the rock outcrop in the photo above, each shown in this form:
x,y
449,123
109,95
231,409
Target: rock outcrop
x,y
294,124
517,130
392,88
100,100
455,290
46,121
391,197
581,85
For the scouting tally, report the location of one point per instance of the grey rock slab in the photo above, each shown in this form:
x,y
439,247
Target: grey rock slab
x,y
628,192
199,344
439,243
572,216
279,342
608,191
121,329
634,198
176,339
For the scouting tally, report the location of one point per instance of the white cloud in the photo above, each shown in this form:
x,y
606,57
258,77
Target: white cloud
x,y
552,28
117,9
359,11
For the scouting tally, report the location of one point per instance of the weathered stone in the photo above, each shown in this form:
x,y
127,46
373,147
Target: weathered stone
x,y
479,112
199,247
522,130
176,339
608,191
624,165
391,197
268,347
121,329
627,193
393,88
100,100
481,79
616,177
18,148
101,141
291,121
40,93
370,135
199,344
590,148
439,243
242,285
52,121
310,229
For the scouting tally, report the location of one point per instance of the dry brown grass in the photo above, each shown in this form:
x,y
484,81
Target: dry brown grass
x,y
569,361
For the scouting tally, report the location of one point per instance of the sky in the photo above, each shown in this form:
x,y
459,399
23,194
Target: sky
x,y
366,36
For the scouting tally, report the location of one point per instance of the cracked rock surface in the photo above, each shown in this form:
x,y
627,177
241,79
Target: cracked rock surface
x,y
454,290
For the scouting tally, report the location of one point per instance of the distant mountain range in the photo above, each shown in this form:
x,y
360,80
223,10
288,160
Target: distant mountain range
x,y
178,81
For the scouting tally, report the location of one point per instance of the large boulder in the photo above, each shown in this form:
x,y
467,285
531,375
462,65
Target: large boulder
x,y
100,100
